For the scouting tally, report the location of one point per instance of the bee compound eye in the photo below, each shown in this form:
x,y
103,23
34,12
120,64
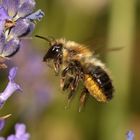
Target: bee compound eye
x,y
53,52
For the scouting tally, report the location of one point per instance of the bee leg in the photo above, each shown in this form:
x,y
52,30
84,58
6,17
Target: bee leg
x,y
67,83
72,86
72,70
63,76
75,82
70,97
56,66
83,98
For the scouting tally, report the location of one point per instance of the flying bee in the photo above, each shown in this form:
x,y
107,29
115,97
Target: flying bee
x,y
75,62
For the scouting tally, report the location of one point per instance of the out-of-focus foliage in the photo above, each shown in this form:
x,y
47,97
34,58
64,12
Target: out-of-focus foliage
x,y
100,24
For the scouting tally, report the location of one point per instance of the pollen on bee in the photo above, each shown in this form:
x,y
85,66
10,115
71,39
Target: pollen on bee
x,y
94,89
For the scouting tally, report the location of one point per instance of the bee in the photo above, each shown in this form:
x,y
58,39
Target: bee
x,y
75,62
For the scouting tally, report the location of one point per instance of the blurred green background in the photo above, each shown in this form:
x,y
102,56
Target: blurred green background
x,y
98,24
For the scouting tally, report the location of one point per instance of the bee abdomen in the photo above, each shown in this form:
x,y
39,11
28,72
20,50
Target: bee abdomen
x,y
99,84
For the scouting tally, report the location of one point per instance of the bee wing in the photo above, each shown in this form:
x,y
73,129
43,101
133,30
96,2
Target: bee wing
x,y
104,50
97,45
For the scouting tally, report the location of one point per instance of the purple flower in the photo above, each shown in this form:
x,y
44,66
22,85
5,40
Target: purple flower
x,y
3,17
11,87
2,123
130,135
20,133
8,47
20,11
17,20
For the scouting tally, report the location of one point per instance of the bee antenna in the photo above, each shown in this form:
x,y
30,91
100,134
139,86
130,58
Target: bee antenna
x,y
44,38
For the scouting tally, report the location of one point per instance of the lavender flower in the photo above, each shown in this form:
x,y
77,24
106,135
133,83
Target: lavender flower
x,y
11,87
8,47
20,133
16,20
20,16
130,135
2,123
3,17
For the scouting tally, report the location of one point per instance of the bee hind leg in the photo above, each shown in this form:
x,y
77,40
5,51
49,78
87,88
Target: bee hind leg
x,y
83,98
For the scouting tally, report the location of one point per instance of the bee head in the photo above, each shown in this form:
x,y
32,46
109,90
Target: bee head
x,y
54,52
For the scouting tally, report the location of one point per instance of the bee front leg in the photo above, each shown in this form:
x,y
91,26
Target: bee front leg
x,y
63,76
56,63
